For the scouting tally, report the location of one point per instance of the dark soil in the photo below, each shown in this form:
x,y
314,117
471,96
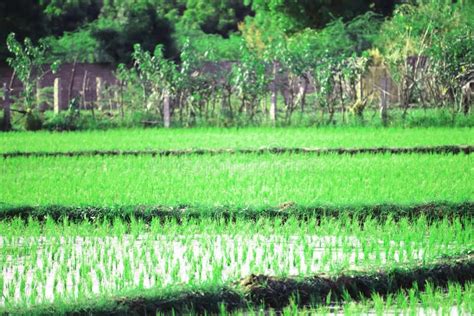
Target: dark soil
x,y
448,149
276,292
432,211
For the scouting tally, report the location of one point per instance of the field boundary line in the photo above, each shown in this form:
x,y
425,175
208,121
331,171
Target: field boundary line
x,y
433,211
445,149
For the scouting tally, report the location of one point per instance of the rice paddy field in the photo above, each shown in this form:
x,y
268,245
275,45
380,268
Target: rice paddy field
x,y
242,232
214,138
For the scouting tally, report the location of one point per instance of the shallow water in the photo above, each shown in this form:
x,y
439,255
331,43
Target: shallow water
x,y
35,270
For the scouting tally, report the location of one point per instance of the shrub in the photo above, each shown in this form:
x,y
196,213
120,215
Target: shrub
x,y
33,121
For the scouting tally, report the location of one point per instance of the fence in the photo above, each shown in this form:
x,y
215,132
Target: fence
x,y
89,84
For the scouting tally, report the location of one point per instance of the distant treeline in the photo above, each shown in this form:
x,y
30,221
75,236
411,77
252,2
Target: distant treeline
x,y
105,31
337,58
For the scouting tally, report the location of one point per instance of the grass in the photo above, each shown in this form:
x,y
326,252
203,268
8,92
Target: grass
x,y
238,180
73,262
456,300
213,138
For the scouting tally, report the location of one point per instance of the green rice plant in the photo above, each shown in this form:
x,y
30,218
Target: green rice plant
x,y
78,261
246,180
432,302
214,138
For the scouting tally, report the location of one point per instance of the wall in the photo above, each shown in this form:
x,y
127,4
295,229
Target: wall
x,y
84,77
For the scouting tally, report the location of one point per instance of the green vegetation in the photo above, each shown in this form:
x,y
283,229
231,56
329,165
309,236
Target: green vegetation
x,y
66,262
280,62
454,300
235,232
105,31
240,180
215,138
329,168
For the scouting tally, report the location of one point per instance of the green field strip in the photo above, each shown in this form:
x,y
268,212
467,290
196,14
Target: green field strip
x,y
273,292
233,138
448,149
241,180
431,211
455,300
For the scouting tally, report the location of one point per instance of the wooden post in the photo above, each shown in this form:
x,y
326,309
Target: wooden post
x,y
383,98
57,95
166,109
273,105
98,90
467,93
115,101
6,123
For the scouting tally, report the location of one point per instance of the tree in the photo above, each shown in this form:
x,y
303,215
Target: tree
x,y
439,32
295,15
37,19
215,16
249,79
22,17
28,63
117,32
69,15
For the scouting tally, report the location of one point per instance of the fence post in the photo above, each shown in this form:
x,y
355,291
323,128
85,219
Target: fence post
x,y
98,90
57,95
273,105
384,98
6,123
166,109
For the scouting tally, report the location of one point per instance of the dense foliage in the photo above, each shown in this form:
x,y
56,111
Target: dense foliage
x,y
60,20
105,31
231,62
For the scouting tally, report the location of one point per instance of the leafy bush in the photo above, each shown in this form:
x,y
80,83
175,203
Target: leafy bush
x,y
65,121
117,32
33,121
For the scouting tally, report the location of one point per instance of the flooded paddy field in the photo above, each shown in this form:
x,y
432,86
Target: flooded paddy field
x,y
46,262
279,233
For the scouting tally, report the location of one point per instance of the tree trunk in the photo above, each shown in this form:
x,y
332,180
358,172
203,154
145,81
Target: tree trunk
x,y
83,90
122,110
71,82
6,123
383,99
98,89
302,94
273,106
38,96
341,96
